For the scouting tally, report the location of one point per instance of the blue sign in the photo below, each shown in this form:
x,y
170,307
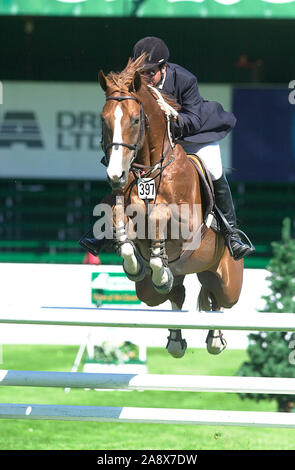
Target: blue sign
x,y
264,136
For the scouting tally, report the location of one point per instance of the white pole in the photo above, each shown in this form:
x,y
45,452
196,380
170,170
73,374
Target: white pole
x,y
104,317
148,415
185,383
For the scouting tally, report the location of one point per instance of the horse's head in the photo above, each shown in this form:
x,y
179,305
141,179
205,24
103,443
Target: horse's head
x,y
123,126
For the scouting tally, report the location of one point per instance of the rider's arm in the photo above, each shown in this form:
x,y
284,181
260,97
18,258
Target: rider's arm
x,y
189,121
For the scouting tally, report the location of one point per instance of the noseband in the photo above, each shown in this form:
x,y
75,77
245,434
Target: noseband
x,y
135,147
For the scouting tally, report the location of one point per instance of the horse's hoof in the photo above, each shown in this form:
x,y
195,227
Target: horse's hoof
x,y
216,342
141,273
165,288
176,345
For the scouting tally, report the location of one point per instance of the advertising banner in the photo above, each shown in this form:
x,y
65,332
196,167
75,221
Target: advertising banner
x,y
111,288
51,130
66,7
218,8
152,8
264,137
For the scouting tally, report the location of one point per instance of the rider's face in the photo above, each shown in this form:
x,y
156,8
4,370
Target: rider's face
x,y
154,75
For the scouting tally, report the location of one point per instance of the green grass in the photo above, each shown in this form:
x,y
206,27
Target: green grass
x,y
62,435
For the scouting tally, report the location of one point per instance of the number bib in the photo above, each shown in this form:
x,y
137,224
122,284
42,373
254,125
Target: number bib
x,y
146,188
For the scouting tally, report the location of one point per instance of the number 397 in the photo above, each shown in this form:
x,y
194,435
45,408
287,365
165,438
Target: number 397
x,y
146,190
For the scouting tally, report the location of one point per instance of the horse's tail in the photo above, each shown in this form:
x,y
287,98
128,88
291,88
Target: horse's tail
x,y
206,300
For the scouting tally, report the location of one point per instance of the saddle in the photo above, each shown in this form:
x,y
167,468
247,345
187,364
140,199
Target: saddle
x,y
210,215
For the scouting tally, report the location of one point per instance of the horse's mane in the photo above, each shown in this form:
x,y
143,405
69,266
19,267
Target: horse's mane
x,y
123,80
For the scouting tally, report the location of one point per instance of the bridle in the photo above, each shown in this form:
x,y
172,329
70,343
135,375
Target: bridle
x,y
135,148
137,169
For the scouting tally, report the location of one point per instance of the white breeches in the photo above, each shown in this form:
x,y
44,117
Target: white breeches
x,y
210,154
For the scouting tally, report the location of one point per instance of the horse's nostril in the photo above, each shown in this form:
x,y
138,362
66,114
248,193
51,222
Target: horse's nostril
x,y
118,178
118,182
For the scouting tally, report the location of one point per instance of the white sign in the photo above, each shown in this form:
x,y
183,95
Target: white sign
x,y
70,286
51,130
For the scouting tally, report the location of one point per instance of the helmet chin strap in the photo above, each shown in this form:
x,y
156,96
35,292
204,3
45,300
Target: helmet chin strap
x,y
162,74
150,77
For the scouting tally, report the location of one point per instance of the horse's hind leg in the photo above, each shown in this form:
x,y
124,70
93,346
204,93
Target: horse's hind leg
x,y
176,345
215,340
146,292
220,288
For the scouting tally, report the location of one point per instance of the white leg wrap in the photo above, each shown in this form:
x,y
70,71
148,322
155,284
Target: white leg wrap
x,y
216,342
130,262
160,275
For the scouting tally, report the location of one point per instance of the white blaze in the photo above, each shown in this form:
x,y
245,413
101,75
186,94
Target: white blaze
x,y
115,168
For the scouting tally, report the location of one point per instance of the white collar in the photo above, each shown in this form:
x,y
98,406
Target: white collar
x,y
163,81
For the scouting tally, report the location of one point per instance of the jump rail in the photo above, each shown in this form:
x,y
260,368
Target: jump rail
x,y
124,318
184,383
104,317
148,415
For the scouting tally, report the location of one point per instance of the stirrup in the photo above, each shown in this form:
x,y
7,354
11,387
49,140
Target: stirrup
x,y
228,231
245,251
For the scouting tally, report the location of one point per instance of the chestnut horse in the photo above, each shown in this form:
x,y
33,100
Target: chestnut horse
x,y
137,143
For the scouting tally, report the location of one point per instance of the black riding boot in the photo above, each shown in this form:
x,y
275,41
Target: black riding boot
x,y
92,244
224,202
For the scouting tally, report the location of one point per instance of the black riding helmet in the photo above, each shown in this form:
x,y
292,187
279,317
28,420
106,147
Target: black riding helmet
x,y
158,52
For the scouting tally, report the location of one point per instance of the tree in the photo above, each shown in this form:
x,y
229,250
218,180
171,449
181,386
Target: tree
x,y
271,354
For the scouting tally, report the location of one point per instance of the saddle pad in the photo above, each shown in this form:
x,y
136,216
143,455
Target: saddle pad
x,y
197,162
207,190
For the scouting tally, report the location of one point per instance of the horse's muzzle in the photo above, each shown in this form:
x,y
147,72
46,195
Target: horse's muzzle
x,y
118,183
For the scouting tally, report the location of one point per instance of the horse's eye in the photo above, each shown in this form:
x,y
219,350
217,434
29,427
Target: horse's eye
x,y
135,121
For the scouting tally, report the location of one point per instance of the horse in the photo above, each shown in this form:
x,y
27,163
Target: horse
x,y
140,150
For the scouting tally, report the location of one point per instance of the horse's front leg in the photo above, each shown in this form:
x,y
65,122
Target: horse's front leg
x,y
162,276
132,263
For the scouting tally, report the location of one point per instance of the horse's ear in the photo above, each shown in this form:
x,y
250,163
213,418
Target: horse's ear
x,y
136,82
102,80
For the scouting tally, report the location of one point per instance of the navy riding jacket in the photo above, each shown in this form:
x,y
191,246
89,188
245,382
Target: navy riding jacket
x,y
201,121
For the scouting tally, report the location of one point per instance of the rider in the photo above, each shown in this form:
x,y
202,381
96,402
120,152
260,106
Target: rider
x,y
199,127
